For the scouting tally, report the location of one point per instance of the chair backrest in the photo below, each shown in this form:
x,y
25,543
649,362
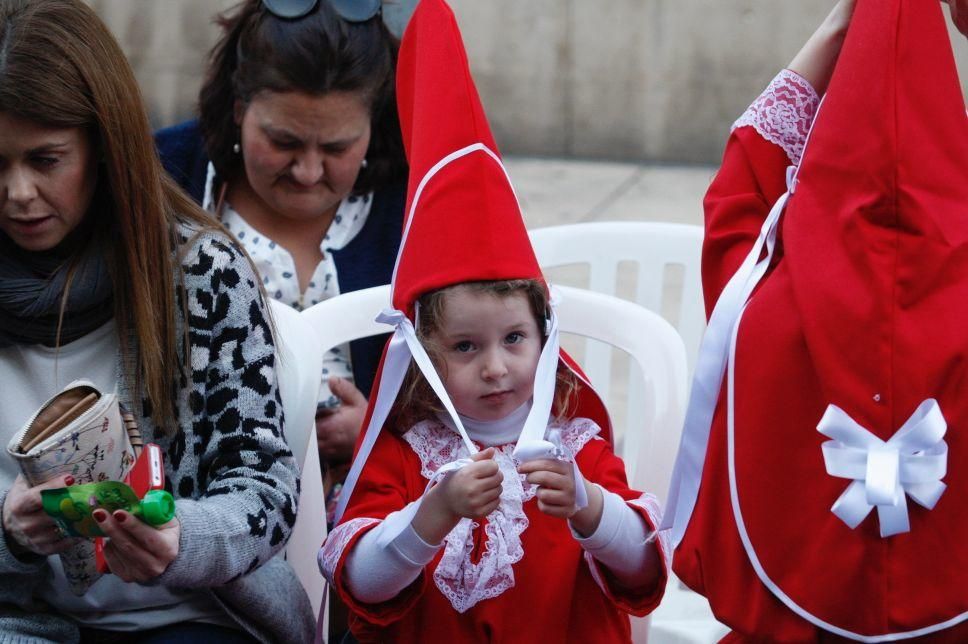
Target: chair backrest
x,y
655,248
658,371
657,382
651,437
349,316
299,368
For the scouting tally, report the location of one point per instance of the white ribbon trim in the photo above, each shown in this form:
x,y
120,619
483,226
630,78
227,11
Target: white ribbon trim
x,y
440,165
912,462
711,363
710,367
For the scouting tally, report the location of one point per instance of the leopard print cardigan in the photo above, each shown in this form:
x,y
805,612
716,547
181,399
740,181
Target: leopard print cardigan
x,y
229,467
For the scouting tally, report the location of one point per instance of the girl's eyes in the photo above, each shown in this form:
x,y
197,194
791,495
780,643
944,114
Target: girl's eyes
x,y
463,347
514,338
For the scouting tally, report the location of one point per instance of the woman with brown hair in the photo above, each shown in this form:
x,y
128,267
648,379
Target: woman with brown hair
x,y
297,151
108,272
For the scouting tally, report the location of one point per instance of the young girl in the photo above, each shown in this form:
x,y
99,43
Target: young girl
x,y
491,506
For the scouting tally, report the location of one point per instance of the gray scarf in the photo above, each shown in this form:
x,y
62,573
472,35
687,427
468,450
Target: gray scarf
x,y
31,289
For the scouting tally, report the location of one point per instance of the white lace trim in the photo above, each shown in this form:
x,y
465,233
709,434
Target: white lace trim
x,y
649,503
332,551
463,582
783,113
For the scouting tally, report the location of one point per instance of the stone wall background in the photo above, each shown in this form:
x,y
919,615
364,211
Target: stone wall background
x,y
644,80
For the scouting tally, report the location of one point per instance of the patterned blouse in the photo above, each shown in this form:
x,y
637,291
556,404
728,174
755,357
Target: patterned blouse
x,y
278,270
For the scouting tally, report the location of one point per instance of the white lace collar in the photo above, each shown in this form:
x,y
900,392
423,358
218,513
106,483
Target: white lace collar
x,y
491,433
461,580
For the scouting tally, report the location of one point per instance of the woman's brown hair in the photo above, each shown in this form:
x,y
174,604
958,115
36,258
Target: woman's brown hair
x,y
61,67
315,54
417,401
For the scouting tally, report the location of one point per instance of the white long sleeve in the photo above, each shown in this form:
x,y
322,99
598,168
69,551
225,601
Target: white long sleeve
x,y
622,542
376,574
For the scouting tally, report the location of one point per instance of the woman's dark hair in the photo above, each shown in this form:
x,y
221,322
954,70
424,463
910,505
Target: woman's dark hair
x,y
316,54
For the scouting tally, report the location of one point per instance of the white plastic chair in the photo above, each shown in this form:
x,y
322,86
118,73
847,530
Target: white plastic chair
x,y
653,247
684,616
656,349
299,367
331,323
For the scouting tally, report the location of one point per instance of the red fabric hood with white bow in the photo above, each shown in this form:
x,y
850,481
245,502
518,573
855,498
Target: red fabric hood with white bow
x,y
845,446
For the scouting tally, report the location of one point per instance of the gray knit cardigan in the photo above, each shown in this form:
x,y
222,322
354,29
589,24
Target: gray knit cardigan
x,y
233,476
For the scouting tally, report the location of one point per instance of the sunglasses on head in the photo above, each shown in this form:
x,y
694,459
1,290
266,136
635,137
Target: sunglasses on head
x,y
348,10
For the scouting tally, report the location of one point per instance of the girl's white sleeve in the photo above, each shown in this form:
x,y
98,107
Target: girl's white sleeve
x,y
622,542
376,574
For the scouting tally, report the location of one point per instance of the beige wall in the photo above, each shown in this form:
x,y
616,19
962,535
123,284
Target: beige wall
x,y
659,80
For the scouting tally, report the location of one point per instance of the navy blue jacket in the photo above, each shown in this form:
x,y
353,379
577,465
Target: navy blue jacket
x,y
366,261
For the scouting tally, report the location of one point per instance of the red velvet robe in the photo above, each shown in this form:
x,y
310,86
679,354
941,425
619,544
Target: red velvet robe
x,y
773,347
555,597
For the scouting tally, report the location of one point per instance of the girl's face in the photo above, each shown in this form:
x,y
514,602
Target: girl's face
x,y
302,153
490,347
47,180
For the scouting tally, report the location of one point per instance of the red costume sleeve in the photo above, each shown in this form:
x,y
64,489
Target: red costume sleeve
x,y
390,480
765,141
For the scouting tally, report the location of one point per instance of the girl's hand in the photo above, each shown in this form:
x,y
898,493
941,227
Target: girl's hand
x,y
27,527
336,430
557,494
135,551
473,491
556,486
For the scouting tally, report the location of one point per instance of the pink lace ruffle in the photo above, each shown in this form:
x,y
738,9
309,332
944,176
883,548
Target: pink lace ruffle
x,y
332,551
461,581
783,113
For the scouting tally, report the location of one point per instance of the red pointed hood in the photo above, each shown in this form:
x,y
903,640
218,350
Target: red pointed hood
x,y
876,232
463,224
463,220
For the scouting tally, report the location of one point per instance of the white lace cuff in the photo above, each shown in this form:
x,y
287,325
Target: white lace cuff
x,y
783,113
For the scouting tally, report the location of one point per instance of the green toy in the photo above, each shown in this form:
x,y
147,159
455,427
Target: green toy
x,y
72,507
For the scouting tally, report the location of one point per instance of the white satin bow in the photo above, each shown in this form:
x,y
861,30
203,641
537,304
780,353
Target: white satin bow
x,y
912,462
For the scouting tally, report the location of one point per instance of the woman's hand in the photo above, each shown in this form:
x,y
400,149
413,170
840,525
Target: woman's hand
x,y
816,60
959,14
27,527
135,551
557,493
337,429
473,491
